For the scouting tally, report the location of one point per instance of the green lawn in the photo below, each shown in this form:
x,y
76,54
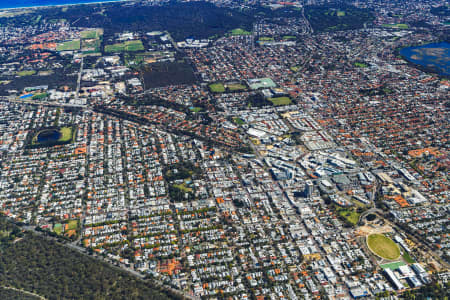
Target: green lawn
x,y
294,69
383,246
73,224
289,37
40,96
393,266
58,228
128,46
238,121
240,31
408,258
183,187
340,13
360,65
351,216
266,38
396,26
195,109
69,46
217,88
278,101
66,134
89,34
134,46
236,87
26,73
94,44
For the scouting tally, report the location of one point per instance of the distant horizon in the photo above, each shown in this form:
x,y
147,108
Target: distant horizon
x,y
18,4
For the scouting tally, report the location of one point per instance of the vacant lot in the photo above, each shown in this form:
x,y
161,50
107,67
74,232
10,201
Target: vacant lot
x,y
168,73
383,246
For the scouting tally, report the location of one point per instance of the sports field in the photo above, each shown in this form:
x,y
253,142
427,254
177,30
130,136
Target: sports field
x,y
383,246
128,46
26,73
393,265
240,31
217,88
195,109
280,101
236,87
396,26
69,46
89,34
66,134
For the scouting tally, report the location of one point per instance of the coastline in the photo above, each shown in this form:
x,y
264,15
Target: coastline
x,y
60,5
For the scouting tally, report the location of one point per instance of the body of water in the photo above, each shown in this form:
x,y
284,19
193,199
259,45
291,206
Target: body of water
x,y
35,3
48,136
435,56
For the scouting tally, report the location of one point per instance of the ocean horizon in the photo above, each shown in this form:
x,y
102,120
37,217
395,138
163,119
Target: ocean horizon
x,y
43,3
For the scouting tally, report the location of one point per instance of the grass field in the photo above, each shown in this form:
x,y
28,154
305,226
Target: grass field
x,y
128,46
183,187
383,246
236,87
26,73
73,224
294,69
351,216
340,13
195,109
240,31
89,34
58,228
66,134
266,38
360,65
69,46
289,37
238,121
393,265
40,96
408,258
396,26
278,101
217,88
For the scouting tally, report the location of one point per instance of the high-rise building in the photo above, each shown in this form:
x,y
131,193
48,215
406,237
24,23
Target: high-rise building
x,y
309,188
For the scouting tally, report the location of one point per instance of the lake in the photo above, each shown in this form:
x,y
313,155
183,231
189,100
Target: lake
x,y
435,56
48,136
35,3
